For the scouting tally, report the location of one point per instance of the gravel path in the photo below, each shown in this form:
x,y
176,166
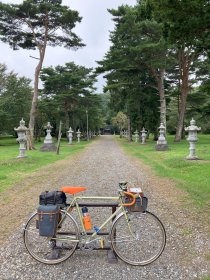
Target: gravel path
x,y
100,168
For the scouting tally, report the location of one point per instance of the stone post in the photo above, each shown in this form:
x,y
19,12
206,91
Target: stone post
x,y
161,142
143,135
70,135
136,136
21,132
192,138
78,135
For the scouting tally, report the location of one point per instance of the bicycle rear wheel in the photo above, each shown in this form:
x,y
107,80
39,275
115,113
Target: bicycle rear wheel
x,y
138,240
51,250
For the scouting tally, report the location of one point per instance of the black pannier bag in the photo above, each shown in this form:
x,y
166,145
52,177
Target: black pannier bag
x,y
48,216
54,197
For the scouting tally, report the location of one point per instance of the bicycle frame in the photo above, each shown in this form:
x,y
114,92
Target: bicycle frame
x,y
75,204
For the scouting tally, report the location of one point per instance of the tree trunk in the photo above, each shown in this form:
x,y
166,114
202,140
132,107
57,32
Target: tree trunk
x,y
42,49
161,91
129,129
35,98
184,90
67,125
159,76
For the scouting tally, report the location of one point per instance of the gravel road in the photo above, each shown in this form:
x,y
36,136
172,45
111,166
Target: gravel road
x,y
100,167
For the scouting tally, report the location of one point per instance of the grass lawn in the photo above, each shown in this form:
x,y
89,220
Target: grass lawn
x,y
191,176
13,170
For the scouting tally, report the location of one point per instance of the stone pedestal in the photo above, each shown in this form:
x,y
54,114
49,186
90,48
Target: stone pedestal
x,y
161,143
49,147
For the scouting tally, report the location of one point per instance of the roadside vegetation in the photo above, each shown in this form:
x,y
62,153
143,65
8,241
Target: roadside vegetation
x,y
192,176
13,170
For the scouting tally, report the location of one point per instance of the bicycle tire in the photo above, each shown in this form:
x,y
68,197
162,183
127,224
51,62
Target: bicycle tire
x,y
51,250
146,244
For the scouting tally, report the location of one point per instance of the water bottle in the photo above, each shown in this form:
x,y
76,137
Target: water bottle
x,y
86,218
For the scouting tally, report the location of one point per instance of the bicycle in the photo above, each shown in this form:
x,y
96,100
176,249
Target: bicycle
x,y
136,237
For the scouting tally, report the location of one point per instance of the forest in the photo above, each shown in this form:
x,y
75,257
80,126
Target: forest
x,y
156,69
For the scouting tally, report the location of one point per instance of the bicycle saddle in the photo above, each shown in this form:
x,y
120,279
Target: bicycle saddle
x,y
73,190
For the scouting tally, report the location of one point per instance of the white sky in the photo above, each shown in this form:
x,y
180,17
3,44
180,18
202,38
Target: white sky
x,y
93,29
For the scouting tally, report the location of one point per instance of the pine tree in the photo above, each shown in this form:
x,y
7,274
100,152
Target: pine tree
x,y
34,24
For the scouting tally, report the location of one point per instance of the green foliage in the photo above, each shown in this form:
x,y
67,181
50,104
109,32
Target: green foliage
x,y
205,278
35,24
29,24
191,176
198,107
68,96
120,121
152,41
15,99
180,28
134,65
189,40
13,170
107,112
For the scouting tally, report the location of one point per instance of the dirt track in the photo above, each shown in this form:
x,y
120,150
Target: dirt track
x,y
100,167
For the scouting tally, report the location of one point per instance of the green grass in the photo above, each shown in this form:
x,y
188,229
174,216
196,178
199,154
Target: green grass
x,y
191,176
13,170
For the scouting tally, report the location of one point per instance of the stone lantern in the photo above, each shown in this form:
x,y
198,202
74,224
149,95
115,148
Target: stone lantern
x,y
192,138
161,142
70,135
90,134
48,141
21,132
78,135
143,135
48,138
136,136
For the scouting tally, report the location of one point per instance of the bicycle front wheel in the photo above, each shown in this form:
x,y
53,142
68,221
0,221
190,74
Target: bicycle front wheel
x,y
52,250
138,238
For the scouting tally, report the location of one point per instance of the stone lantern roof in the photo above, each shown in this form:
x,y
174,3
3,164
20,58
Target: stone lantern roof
x,y
22,126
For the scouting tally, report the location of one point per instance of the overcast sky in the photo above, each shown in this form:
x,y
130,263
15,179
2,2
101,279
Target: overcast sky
x,y
94,30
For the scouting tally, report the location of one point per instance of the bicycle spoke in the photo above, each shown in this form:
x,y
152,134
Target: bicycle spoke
x,y
55,249
144,241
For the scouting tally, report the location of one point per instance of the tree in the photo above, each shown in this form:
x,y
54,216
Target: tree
x,y
189,36
138,47
67,86
120,121
34,24
69,92
15,99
